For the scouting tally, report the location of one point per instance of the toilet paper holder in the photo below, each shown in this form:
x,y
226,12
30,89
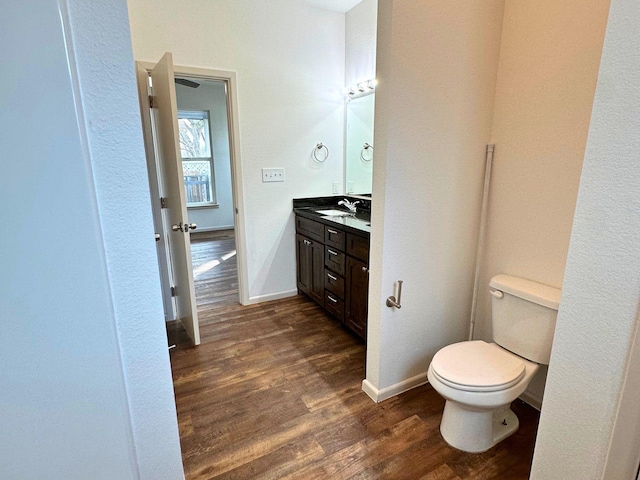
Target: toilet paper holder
x,y
391,301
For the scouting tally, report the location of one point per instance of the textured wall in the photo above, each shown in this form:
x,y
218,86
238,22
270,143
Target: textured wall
x,y
104,57
289,58
360,42
360,64
85,373
601,291
437,71
549,59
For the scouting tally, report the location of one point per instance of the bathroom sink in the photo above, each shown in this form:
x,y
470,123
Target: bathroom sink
x,y
333,213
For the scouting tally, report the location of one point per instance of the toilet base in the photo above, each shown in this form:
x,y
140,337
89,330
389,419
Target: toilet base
x,y
477,430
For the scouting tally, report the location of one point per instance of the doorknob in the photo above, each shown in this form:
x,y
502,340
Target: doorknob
x,y
183,227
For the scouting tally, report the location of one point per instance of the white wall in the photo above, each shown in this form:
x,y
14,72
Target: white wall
x,y
549,57
85,371
361,28
211,96
601,290
437,72
289,58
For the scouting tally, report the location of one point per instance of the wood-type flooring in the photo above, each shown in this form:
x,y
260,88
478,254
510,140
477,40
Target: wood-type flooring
x,y
213,257
274,392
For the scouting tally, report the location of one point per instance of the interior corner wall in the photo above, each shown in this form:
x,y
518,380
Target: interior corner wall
x,y
361,29
598,319
289,59
86,381
549,58
360,64
437,65
212,96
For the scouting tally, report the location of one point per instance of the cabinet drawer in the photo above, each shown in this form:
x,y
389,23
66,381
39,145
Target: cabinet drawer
x,y
334,260
358,247
334,283
334,305
334,237
309,228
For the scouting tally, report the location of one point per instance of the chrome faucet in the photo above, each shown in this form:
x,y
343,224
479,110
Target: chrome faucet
x,y
351,206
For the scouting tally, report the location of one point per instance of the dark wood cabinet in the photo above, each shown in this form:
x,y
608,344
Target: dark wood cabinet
x,y
332,268
310,261
356,288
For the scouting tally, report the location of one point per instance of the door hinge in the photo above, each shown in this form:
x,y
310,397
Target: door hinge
x,y
151,102
237,211
173,292
163,202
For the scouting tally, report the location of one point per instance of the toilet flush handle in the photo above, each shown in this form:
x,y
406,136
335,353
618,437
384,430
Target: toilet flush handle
x,y
496,293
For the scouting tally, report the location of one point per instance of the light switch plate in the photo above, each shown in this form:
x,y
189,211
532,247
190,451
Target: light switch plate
x,y
335,187
273,175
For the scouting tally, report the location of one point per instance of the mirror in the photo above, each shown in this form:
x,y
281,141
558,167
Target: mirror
x,y
359,145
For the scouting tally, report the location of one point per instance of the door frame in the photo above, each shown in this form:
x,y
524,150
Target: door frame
x,y
231,81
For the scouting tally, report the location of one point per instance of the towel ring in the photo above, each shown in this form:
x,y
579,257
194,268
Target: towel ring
x,y
365,148
319,147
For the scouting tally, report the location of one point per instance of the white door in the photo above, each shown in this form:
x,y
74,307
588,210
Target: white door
x,y
162,244
176,224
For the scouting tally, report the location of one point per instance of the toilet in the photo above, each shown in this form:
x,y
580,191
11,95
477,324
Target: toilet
x,y
479,380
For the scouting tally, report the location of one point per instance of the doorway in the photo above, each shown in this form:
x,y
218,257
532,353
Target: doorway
x,y
197,183
204,136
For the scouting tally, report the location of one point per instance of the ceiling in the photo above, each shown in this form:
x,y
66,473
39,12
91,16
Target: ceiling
x,y
335,5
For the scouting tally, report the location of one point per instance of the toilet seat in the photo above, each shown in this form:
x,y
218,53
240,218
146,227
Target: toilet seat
x,y
477,366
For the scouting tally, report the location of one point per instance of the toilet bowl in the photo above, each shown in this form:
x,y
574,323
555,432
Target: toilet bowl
x,y
479,380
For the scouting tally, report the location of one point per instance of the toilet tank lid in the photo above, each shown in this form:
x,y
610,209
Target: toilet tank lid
x,y
529,290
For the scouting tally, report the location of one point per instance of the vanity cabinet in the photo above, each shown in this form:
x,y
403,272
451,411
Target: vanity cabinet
x,y
310,258
357,287
332,269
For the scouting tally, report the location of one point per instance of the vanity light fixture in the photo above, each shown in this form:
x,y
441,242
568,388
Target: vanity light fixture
x,y
361,88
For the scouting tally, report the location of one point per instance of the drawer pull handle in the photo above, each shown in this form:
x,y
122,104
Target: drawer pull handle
x,y
332,231
332,299
307,242
365,269
331,252
332,277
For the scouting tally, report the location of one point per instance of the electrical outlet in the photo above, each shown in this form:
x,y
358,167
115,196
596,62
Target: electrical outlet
x,y
349,187
335,187
273,175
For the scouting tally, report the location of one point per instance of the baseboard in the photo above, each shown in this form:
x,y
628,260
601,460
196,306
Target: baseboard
x,y
272,296
533,400
393,390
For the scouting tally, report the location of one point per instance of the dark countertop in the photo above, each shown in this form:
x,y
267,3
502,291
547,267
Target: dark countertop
x,y
360,224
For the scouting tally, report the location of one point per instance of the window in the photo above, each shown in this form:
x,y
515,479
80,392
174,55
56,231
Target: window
x,y
197,160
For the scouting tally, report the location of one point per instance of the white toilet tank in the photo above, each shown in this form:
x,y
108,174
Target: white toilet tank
x,y
524,316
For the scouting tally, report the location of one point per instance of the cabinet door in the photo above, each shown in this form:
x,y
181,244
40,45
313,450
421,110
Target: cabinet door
x,y
357,295
310,259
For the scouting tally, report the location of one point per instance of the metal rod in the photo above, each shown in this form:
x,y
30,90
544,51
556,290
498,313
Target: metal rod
x,y
481,235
